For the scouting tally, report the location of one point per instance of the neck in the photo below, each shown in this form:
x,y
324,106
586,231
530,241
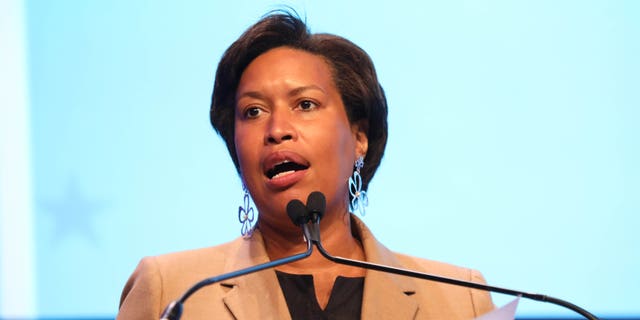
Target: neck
x,y
336,236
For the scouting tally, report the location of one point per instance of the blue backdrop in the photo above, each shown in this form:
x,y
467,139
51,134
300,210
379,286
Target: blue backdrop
x,y
513,144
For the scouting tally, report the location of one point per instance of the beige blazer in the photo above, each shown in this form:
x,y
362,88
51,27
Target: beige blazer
x,y
162,279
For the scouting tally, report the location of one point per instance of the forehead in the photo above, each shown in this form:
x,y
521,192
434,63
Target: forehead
x,y
286,65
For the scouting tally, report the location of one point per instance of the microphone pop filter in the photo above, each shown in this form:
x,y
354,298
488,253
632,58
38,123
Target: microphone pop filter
x,y
316,203
297,212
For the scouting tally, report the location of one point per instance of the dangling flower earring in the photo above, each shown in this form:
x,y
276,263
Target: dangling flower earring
x,y
359,198
246,215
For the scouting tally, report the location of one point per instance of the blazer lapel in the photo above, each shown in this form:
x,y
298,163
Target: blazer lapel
x,y
257,295
386,296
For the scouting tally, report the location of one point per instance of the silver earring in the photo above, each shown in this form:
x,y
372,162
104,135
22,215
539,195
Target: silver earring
x,y
359,199
246,214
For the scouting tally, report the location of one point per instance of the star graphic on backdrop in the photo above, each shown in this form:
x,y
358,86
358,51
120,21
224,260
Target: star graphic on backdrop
x,y
73,214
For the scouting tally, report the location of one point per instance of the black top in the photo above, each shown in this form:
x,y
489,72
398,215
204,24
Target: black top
x,y
345,301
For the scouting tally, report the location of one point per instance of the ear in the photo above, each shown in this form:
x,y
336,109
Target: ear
x,y
359,130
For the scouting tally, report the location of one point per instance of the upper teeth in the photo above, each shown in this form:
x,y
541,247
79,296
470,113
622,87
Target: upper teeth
x,y
283,162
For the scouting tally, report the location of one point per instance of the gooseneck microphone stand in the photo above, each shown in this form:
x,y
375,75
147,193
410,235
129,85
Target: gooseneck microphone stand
x,y
316,206
174,310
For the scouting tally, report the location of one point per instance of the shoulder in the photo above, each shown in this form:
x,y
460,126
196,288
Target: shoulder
x,y
477,300
210,258
190,265
157,280
436,299
440,268
377,252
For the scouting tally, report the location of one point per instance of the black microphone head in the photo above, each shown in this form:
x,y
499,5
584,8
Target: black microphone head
x,y
297,212
316,204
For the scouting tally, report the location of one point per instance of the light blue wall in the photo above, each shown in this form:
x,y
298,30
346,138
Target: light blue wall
x,y
513,144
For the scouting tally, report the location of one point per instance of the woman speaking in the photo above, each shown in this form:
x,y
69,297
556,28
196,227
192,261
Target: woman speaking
x,y
299,113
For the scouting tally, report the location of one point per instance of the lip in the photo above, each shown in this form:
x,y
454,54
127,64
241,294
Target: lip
x,y
285,181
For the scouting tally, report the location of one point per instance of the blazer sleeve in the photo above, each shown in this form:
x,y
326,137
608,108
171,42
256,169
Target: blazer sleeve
x,y
142,295
481,299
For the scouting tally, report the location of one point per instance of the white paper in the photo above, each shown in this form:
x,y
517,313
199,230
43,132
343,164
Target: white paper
x,y
506,312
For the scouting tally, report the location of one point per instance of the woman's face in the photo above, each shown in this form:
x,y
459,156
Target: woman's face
x,y
292,134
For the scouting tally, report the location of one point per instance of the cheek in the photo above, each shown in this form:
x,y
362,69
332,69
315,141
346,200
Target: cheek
x,y
243,147
238,143
344,148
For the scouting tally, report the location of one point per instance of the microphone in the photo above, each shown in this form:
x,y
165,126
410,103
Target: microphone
x,y
316,205
319,204
297,212
299,215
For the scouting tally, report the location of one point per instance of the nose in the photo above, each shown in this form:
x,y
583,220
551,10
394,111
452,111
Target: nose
x,y
280,128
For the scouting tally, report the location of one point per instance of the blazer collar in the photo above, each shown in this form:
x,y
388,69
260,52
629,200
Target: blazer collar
x,y
259,296
386,296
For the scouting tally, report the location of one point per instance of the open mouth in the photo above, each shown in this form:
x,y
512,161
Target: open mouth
x,y
284,168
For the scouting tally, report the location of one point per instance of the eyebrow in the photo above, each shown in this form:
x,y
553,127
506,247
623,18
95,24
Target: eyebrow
x,y
251,94
294,92
298,90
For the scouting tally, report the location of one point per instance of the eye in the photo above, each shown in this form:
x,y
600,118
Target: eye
x,y
307,105
252,112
